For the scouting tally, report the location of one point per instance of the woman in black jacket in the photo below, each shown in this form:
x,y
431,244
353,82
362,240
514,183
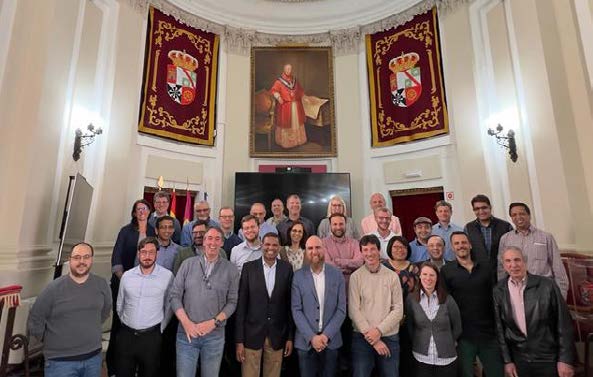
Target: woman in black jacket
x,y
434,322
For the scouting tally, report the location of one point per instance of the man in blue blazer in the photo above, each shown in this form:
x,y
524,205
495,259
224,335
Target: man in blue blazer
x,y
318,310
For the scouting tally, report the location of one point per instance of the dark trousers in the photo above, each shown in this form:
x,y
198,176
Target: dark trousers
x,y
318,364
168,355
487,350
115,325
536,369
427,370
138,351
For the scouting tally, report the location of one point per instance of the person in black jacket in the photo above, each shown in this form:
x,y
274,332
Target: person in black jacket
x,y
533,324
485,232
122,259
263,319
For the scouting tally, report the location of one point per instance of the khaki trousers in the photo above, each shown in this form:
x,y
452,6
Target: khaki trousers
x,y
272,361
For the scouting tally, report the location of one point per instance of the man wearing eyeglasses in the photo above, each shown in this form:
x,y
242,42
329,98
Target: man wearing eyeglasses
x,y
67,318
201,212
141,309
485,231
203,296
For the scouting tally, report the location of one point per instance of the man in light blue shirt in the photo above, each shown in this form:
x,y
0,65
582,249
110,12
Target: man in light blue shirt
x,y
167,252
258,210
201,212
422,228
445,227
141,309
250,249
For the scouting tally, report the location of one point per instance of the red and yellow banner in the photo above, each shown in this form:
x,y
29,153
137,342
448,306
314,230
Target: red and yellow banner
x,y
406,86
179,86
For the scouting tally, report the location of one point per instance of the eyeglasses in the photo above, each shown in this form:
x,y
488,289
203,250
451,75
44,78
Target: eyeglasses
x,y
143,209
78,258
206,280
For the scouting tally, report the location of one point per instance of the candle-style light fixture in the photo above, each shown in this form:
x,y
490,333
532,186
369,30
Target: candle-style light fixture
x,y
82,140
507,141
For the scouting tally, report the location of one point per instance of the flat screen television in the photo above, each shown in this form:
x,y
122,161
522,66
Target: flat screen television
x,y
314,189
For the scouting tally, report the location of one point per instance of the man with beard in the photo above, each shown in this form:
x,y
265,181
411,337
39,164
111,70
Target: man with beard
x,y
258,210
340,250
67,318
203,296
469,280
383,232
201,213
263,320
318,310
376,309
199,229
293,203
141,309
250,249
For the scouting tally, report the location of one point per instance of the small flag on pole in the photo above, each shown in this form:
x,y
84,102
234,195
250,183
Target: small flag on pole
x,y
173,203
187,214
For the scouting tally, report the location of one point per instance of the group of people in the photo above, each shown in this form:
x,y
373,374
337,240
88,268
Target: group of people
x,y
281,293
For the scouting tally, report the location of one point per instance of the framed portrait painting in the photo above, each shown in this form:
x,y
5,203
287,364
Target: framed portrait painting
x,y
292,102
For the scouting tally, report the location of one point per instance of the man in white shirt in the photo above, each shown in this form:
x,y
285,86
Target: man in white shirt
x,y
263,320
383,232
141,309
250,249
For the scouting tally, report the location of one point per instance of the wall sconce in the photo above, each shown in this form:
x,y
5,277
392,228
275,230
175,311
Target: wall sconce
x,y
507,141
82,140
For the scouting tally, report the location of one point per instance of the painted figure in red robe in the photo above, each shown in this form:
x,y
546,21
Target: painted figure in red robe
x,y
289,112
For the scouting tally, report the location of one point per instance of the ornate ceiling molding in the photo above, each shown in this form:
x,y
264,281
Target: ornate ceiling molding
x,y
344,41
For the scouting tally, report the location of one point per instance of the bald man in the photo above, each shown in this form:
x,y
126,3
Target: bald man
x,y
258,210
369,224
201,212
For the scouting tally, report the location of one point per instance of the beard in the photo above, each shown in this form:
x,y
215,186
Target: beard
x,y
147,263
74,270
338,233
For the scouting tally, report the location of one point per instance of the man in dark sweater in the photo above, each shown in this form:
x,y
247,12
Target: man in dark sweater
x,y
67,318
485,232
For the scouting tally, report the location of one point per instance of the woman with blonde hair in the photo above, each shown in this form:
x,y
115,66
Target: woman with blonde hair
x,y
337,205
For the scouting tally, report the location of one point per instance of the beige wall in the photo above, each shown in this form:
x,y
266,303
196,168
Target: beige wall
x,y
84,63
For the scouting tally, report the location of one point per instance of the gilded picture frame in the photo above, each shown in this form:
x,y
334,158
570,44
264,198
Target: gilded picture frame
x,y
292,102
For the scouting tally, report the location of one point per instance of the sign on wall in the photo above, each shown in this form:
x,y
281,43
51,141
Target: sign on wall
x,y
178,99
407,94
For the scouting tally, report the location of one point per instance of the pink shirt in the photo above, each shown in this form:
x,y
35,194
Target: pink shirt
x,y
344,253
516,290
369,225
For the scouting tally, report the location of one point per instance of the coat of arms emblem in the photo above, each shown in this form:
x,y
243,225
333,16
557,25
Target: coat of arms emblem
x,y
181,78
404,82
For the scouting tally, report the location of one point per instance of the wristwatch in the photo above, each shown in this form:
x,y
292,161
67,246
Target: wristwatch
x,y
217,322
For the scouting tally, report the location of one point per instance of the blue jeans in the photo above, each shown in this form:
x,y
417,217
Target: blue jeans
x,y
313,363
90,367
365,358
209,347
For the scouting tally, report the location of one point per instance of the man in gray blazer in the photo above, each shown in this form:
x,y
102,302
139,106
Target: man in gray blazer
x,y
318,310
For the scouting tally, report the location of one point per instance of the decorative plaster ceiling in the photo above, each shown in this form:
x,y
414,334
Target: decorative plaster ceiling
x,y
294,16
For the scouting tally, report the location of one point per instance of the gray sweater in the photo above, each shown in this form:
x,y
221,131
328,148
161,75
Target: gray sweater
x,y
67,316
445,327
201,298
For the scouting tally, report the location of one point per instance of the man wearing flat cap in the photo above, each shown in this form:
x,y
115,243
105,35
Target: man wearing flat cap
x,y
422,228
